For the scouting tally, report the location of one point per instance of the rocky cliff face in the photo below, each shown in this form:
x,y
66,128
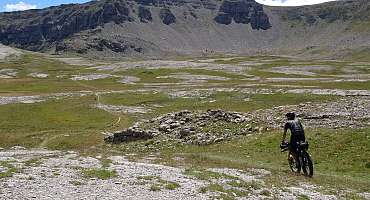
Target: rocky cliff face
x,y
42,29
31,29
158,27
244,12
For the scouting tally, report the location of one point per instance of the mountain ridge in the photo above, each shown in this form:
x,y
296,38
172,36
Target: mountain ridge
x,y
162,27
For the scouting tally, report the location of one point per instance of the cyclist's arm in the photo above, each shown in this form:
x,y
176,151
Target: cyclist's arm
x,y
301,126
286,127
304,135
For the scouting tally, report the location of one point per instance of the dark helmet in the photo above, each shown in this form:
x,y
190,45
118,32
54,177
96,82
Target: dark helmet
x,y
290,115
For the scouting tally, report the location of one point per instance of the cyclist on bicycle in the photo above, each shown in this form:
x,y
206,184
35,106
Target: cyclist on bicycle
x,y
297,132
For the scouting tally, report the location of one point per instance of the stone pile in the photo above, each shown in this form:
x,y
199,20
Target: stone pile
x,y
184,126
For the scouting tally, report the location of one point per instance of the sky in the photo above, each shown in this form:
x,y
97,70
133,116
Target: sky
x,y
14,5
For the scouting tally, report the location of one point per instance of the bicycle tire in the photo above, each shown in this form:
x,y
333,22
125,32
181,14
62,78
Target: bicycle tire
x,y
294,164
307,165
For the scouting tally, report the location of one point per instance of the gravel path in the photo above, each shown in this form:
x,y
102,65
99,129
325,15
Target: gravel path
x,y
43,174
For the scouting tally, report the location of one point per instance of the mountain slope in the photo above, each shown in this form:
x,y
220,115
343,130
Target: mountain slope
x,y
160,27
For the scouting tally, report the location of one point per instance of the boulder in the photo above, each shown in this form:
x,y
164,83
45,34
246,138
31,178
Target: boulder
x,y
128,135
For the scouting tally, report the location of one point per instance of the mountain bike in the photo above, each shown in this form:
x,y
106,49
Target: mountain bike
x,y
301,161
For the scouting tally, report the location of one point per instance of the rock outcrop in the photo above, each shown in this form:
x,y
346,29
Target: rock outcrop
x,y
166,16
244,12
145,15
32,29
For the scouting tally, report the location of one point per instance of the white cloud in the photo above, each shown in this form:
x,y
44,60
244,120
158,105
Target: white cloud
x,y
19,6
291,2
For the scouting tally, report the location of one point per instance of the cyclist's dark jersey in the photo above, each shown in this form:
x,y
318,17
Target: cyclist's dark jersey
x,y
297,131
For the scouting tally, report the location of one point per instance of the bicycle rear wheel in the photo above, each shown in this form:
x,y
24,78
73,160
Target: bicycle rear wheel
x,y
307,165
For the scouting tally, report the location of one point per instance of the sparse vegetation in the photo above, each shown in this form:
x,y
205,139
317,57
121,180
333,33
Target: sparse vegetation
x,y
158,183
206,175
76,183
246,185
73,122
105,162
99,173
303,197
148,178
224,193
265,193
171,185
326,147
155,187
10,169
34,162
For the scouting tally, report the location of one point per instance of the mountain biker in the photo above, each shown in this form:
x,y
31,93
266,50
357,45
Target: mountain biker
x,y
297,132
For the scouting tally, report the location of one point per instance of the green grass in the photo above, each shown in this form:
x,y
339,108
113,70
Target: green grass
x,y
350,85
103,174
224,193
206,175
172,185
34,162
30,63
159,183
246,185
155,188
74,124
150,75
303,197
57,124
148,178
10,169
349,149
234,101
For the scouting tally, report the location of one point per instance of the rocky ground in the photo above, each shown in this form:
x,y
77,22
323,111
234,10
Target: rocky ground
x,y
89,98
194,127
43,174
7,51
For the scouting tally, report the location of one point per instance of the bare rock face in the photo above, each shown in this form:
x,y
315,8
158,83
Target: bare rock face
x,y
32,28
51,28
145,15
245,12
166,16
